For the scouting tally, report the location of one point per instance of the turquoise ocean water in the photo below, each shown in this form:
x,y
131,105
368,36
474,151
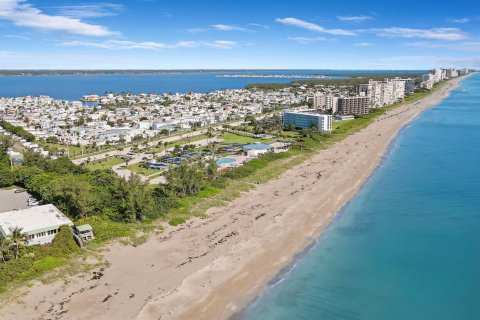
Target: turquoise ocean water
x,y
407,246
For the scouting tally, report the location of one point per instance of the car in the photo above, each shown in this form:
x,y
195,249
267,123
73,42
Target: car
x,y
19,191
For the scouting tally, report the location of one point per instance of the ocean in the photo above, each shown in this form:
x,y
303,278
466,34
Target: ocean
x,y
73,87
407,246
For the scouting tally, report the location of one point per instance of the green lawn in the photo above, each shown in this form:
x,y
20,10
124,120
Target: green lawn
x,y
229,137
136,167
105,164
340,125
178,142
73,149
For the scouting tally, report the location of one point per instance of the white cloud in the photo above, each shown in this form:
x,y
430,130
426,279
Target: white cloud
x,y
93,10
434,61
117,44
258,25
313,27
16,36
196,30
461,20
354,18
463,45
220,44
21,13
450,34
126,45
226,27
362,44
306,40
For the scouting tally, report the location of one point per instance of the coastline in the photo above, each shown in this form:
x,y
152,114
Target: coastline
x,y
213,267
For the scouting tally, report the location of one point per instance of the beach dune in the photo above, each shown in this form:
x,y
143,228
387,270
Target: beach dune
x,y
211,268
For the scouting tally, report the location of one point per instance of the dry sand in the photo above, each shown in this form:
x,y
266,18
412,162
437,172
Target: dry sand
x,y
210,268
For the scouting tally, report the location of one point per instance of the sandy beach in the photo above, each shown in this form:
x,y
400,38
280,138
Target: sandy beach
x,y
211,268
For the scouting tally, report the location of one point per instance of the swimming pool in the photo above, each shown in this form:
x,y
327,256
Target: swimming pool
x,y
221,161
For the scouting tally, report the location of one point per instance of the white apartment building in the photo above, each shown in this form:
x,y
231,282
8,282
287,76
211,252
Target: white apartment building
x,y
381,93
438,74
398,89
451,73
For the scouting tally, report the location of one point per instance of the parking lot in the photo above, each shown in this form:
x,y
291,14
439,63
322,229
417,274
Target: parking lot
x,y
9,200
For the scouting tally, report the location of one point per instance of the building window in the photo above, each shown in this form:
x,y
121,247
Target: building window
x,y
31,236
40,234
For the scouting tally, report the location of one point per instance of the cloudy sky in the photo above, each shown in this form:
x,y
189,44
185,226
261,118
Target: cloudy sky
x,y
180,34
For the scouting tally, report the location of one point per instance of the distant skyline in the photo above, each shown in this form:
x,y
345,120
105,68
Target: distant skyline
x,y
207,34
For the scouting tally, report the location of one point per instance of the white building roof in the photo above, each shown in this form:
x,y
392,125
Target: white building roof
x,y
33,220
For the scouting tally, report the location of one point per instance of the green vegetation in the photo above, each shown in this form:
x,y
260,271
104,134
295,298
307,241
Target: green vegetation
x,y
26,263
106,229
118,208
143,169
59,148
104,164
352,80
19,131
162,146
229,137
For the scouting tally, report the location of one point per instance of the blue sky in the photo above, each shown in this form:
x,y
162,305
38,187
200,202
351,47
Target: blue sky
x,y
179,34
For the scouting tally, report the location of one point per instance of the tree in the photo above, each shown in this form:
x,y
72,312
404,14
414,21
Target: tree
x,y
186,179
19,239
6,142
5,245
127,159
72,194
52,139
176,150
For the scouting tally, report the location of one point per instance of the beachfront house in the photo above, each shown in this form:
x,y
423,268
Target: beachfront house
x,y
84,232
40,223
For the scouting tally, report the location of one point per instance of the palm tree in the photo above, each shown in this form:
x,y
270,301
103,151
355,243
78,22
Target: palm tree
x,y
18,239
5,245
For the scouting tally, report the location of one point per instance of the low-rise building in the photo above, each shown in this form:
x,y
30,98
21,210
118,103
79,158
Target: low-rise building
x,y
40,223
255,149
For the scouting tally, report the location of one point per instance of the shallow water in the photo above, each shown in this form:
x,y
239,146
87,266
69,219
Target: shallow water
x,y
408,244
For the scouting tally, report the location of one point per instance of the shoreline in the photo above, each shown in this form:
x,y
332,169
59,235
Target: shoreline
x,y
214,267
304,250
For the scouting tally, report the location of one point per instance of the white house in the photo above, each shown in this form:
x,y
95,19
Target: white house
x,y
41,223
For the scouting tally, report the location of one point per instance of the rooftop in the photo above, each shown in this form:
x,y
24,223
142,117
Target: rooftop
x,y
257,146
84,227
34,219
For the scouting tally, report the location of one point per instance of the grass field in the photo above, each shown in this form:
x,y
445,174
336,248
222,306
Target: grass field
x,y
105,164
73,150
178,142
136,167
229,137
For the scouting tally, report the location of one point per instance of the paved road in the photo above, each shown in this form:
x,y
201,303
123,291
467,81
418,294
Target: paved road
x,y
166,139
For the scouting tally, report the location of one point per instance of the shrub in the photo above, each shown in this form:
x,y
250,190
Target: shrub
x,y
105,229
176,221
